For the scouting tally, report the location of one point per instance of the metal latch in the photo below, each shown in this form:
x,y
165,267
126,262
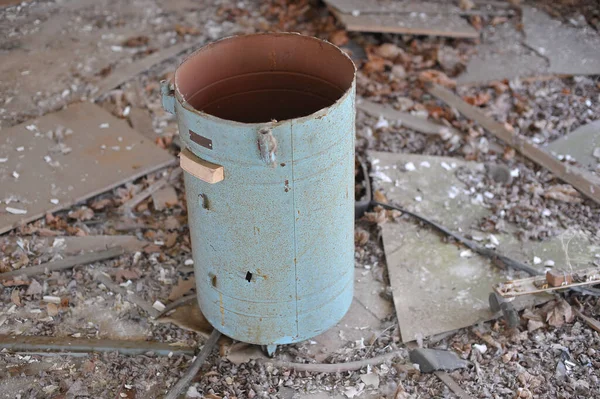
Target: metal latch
x,y
199,168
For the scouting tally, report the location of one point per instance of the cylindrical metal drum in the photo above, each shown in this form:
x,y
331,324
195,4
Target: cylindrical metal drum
x,y
267,122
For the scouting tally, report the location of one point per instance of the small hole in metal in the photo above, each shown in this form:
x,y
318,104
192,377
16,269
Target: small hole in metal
x,y
213,280
248,276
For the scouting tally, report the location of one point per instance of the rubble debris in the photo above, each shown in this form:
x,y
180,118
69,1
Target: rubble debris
x,y
553,280
593,323
585,182
195,367
76,179
125,73
430,360
63,264
335,368
454,387
424,269
129,295
39,344
416,123
151,189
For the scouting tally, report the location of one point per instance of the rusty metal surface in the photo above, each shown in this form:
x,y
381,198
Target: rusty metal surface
x,y
83,345
272,242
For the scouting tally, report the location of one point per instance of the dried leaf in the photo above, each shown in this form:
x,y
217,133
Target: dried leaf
x,y
361,237
152,248
375,64
52,309
14,283
189,317
560,314
186,30
476,21
240,352
339,38
83,213
438,77
34,288
182,288
64,302
136,41
479,99
15,297
498,20
389,51
127,274
378,216
101,204
379,196
171,240
466,4
509,153
533,325
564,193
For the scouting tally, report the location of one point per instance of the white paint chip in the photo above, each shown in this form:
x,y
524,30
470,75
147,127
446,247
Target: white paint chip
x,y
31,128
188,262
54,201
446,166
549,263
15,211
418,198
514,172
158,305
536,260
493,239
20,149
381,123
409,166
467,253
2,160
480,348
425,164
15,174
104,126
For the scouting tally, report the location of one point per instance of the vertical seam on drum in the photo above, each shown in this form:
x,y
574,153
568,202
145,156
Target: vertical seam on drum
x,y
294,219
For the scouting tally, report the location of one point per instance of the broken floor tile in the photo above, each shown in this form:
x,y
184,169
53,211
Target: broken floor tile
x,y
581,145
502,56
99,160
435,289
570,50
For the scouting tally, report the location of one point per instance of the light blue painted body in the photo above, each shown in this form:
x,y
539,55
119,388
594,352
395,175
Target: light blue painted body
x,y
290,223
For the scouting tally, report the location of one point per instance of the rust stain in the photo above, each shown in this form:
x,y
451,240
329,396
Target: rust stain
x,y
259,273
222,308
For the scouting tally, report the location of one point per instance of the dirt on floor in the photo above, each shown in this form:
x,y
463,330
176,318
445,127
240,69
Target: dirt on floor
x,y
53,53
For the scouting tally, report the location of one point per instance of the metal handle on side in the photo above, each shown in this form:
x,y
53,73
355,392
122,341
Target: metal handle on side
x,y
168,96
